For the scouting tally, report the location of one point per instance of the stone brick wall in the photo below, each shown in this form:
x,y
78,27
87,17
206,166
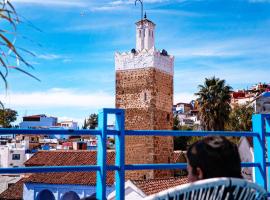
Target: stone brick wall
x,y
147,97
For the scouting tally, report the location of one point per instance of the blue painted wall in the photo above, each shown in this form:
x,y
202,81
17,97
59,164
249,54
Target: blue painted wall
x,y
31,190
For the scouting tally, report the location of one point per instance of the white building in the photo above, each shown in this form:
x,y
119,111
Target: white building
x,y
38,121
262,103
13,154
187,114
68,124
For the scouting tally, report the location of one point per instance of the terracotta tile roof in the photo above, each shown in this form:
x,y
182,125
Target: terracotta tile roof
x,y
67,157
72,178
14,192
57,158
157,185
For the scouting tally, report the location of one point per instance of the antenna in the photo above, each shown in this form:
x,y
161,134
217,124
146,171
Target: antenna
x,y
141,1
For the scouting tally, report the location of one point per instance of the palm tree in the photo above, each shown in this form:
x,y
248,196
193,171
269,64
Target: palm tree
x,y
10,55
214,103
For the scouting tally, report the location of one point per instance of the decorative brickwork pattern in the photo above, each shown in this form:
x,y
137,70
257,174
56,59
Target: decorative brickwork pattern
x,y
146,94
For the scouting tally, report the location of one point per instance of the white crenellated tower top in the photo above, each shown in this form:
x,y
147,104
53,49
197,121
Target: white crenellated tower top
x,y
145,34
145,55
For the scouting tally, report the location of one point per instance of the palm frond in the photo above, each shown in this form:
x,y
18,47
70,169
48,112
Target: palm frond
x,y
11,53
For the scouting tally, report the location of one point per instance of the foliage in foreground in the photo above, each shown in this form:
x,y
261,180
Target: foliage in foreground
x,y
11,55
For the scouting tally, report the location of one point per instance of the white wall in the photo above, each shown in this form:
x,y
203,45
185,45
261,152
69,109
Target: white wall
x,y
6,156
246,155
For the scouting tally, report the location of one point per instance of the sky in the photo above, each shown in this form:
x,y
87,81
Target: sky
x,y
74,42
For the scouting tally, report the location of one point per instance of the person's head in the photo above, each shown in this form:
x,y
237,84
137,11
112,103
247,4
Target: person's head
x,y
213,157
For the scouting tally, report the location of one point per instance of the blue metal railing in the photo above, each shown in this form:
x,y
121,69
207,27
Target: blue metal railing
x,y
260,134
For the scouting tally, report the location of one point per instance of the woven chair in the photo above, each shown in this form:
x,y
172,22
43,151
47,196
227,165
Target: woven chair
x,y
213,189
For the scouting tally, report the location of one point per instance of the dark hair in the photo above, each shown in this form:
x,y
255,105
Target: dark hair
x,y
216,157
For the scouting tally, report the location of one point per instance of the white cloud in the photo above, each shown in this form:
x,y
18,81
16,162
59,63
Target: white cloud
x,y
121,5
259,1
225,48
58,98
67,3
108,8
49,56
102,25
121,2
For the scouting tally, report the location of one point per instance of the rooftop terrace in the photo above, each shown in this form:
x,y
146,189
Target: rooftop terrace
x,y
260,134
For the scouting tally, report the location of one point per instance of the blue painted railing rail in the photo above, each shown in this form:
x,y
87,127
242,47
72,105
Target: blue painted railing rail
x,y
260,134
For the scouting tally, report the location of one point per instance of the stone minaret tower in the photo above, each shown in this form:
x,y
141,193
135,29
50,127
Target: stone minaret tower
x,y
144,88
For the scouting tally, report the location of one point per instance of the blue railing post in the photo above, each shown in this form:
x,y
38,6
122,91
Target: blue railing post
x,y
258,125
102,155
267,129
120,154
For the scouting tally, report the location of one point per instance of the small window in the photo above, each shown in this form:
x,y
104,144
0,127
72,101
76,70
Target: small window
x,y
168,117
140,33
16,156
149,33
145,96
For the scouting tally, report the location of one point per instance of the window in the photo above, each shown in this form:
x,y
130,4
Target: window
x,y
145,97
16,156
70,195
45,195
140,33
168,117
149,33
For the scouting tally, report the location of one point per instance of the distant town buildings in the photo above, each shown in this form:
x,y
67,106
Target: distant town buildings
x,y
187,114
38,121
68,124
258,96
244,97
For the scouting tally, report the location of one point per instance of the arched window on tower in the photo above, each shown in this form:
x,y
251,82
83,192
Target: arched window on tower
x,y
140,33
